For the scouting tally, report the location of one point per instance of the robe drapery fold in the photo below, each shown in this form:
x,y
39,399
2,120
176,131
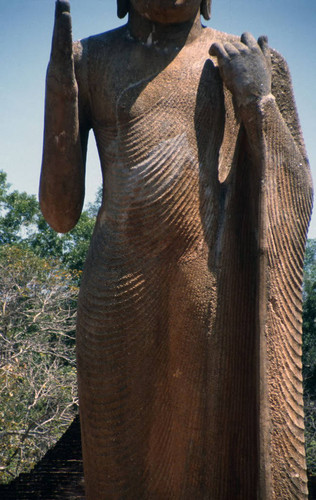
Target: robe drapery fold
x,y
267,211
189,318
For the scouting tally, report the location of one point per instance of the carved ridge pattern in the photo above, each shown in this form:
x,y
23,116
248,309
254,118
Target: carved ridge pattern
x,y
130,323
159,399
143,187
289,214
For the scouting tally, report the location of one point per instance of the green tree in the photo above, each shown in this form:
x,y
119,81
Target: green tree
x,y
37,345
21,223
309,319
17,213
76,242
309,353
39,275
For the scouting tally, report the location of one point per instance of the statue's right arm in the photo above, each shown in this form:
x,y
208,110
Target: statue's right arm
x,y
65,132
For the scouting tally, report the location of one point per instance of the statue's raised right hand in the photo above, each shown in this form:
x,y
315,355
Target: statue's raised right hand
x,y
61,58
62,176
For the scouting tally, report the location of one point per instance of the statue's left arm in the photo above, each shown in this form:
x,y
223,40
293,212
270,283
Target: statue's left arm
x,y
268,207
262,93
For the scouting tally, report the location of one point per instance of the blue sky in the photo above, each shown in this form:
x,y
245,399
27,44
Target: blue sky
x,y
26,30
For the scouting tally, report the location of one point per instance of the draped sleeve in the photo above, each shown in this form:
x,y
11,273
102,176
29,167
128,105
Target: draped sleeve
x,y
267,192
288,209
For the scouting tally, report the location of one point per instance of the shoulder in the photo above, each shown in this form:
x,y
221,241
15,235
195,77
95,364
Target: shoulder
x,y
98,53
280,71
104,43
281,83
281,78
278,62
214,35
282,89
95,55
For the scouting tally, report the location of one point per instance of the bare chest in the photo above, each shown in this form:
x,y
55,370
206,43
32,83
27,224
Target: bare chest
x,y
185,90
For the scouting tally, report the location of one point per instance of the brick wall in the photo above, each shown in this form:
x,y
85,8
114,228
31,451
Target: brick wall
x,y
59,475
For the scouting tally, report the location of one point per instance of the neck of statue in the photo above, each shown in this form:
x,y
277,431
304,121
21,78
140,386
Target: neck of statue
x,y
163,36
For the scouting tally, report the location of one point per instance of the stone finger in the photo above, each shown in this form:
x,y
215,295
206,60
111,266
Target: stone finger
x,y
249,40
218,50
231,49
62,6
263,44
62,36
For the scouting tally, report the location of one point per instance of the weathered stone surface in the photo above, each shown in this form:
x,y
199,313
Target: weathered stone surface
x,y
189,317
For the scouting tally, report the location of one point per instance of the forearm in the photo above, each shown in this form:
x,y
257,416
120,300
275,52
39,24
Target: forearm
x,y
62,177
271,142
283,176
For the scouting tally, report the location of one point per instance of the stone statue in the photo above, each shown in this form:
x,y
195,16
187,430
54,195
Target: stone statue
x,y
189,316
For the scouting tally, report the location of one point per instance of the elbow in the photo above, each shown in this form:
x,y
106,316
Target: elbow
x,y
62,226
60,204
61,221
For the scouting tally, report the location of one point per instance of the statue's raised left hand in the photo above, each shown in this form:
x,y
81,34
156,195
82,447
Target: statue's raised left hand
x,y
245,67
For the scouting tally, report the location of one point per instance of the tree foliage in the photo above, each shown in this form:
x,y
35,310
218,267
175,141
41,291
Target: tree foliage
x,y
37,344
18,212
309,353
22,223
39,275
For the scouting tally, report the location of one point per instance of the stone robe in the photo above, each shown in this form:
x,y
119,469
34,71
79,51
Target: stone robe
x,y
189,318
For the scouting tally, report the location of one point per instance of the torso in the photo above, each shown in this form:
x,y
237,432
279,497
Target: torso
x,y
158,120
